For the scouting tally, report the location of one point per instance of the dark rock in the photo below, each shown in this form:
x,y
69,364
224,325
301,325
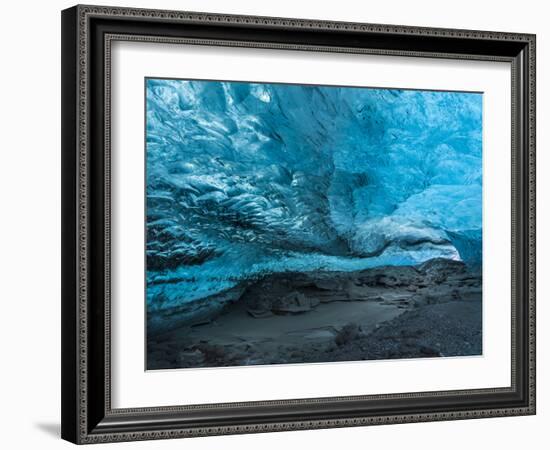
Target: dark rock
x,y
191,358
428,351
212,353
258,313
348,333
438,270
294,302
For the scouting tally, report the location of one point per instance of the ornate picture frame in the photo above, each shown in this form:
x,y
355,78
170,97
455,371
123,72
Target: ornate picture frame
x,y
88,33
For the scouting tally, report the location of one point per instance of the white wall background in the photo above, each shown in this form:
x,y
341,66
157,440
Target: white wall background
x,y
30,223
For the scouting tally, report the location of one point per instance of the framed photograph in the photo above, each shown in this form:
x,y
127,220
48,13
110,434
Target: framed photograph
x,y
281,224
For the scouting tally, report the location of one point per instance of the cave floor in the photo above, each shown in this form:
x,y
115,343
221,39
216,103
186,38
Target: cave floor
x,y
338,317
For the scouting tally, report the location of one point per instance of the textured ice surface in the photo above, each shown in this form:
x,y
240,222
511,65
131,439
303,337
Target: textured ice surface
x,y
244,179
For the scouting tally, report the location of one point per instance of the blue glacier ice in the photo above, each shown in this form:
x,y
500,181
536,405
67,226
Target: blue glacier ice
x,y
245,179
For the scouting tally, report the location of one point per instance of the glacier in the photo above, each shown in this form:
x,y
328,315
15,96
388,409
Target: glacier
x,y
246,179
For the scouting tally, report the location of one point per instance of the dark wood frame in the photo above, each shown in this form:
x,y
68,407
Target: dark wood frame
x,y
87,32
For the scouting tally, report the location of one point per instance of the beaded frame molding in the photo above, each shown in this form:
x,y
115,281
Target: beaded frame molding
x,y
87,35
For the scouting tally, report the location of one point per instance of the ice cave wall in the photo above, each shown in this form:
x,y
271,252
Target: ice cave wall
x,y
247,178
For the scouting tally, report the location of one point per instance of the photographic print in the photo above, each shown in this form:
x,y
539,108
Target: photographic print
x,y
292,223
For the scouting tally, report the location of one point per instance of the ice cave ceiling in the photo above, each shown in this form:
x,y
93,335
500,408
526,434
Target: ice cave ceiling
x,y
248,178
